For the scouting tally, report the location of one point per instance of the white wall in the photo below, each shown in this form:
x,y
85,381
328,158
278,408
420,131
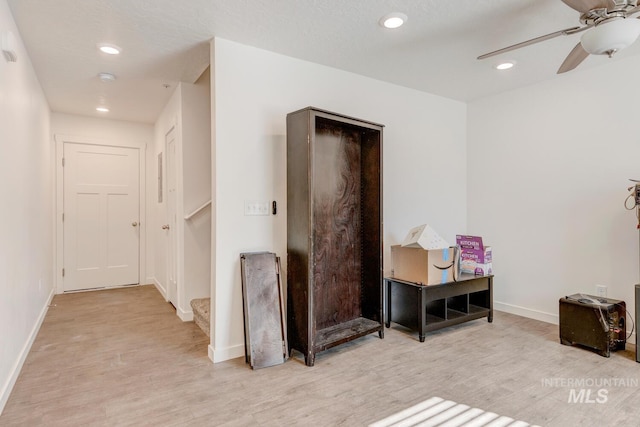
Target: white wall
x,y
188,111
26,218
169,118
253,90
548,170
120,133
196,129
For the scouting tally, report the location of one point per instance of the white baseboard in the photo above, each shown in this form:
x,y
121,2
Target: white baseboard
x,y
160,288
185,316
5,392
526,312
228,353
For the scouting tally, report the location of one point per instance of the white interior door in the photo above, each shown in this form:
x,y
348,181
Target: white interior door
x,y
171,226
101,216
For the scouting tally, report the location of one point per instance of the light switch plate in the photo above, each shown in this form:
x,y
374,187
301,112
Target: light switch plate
x,y
256,207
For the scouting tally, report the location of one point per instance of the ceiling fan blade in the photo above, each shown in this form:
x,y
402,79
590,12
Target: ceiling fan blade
x,y
564,32
583,6
575,57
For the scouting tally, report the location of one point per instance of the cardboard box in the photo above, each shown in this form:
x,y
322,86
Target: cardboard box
x,y
427,267
424,237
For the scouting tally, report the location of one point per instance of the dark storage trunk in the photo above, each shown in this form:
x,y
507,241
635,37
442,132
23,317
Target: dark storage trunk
x,y
598,324
334,226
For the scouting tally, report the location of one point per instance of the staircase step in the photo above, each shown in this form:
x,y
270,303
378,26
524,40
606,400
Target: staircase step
x,y
201,316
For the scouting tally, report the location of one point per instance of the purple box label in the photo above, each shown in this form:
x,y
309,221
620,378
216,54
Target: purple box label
x,y
469,242
482,272
481,256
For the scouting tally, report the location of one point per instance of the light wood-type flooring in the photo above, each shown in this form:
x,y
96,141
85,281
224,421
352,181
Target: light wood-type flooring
x,y
123,358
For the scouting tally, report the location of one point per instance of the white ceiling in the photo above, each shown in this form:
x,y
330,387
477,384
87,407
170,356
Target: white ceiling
x,y
166,41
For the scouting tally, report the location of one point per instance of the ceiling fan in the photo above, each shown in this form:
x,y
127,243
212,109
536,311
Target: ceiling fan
x,y
607,27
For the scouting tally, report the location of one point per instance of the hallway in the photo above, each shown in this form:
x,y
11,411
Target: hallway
x,y
108,357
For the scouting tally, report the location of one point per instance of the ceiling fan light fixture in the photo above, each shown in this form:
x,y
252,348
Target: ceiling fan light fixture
x,y
611,36
393,20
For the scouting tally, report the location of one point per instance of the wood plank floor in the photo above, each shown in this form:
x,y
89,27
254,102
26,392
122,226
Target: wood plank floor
x,y
123,358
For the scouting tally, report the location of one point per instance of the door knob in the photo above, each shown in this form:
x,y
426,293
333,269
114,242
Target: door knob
x,y
165,227
134,223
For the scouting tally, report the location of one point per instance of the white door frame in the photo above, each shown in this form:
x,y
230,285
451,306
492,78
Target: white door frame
x,y
182,307
172,249
59,252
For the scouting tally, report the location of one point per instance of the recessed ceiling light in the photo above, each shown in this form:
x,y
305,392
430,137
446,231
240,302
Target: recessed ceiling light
x,y
393,20
102,109
109,49
107,77
505,65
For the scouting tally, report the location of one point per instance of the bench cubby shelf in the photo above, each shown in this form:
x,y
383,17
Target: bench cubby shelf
x,y
426,308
